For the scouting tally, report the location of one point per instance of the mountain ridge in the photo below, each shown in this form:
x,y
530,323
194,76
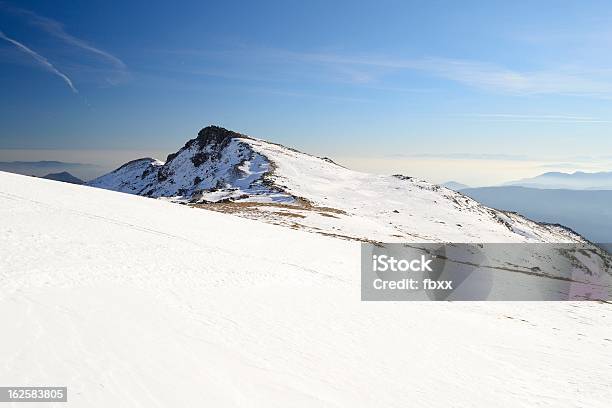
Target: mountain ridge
x,y
84,171
585,211
578,180
227,171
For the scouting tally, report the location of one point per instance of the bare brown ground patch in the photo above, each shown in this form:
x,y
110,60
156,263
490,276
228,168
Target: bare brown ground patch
x,y
286,216
246,206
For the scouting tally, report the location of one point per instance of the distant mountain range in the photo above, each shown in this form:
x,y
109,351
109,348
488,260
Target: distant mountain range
x,y
45,167
63,176
572,181
578,200
587,212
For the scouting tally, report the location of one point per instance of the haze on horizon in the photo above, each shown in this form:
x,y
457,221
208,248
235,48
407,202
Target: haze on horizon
x,y
478,92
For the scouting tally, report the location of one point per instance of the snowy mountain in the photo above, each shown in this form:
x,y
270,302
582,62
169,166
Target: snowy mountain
x,y
218,164
226,171
136,302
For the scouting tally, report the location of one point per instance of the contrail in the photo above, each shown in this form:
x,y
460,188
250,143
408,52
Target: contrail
x,y
41,60
56,29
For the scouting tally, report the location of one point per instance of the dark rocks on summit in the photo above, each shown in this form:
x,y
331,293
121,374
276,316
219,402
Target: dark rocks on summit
x,y
213,136
216,135
209,144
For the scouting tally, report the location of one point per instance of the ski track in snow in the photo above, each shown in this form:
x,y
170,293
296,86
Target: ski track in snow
x,y
133,302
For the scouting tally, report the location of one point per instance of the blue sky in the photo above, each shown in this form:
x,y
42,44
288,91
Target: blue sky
x,y
437,88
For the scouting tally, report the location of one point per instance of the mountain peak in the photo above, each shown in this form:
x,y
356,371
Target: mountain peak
x,y
216,135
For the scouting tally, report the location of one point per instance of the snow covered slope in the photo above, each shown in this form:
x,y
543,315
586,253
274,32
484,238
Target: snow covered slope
x,y
133,302
230,172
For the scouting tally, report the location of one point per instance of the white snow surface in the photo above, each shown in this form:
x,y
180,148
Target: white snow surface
x,y
395,208
133,302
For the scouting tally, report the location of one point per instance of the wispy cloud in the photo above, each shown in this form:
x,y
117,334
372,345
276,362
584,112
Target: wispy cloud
x,y
57,30
511,117
568,81
543,162
367,70
41,60
463,156
483,75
